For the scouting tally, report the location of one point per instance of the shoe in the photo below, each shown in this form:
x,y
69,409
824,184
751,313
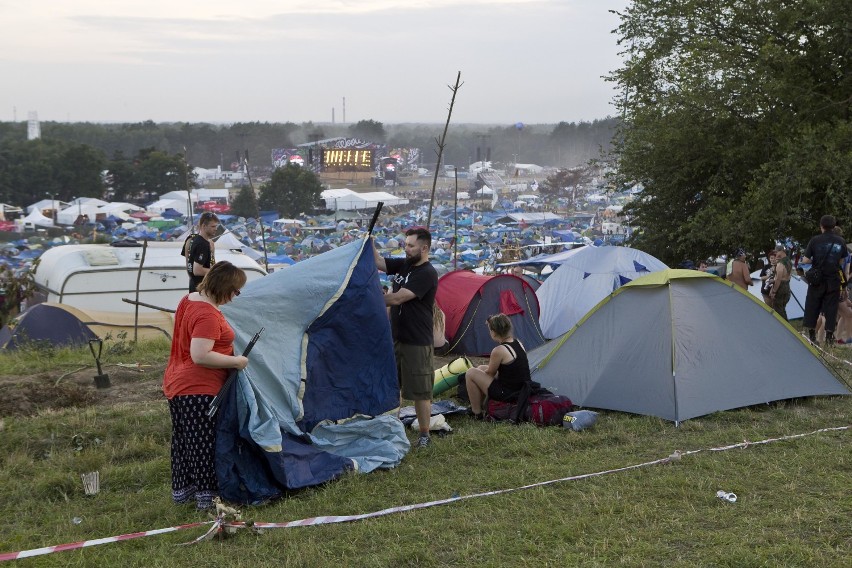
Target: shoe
x,y
471,414
423,441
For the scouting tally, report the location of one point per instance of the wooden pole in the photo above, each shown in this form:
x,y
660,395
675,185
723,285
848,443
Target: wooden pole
x,y
441,143
138,278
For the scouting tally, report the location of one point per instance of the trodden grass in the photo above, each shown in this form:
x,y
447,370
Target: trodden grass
x,y
794,506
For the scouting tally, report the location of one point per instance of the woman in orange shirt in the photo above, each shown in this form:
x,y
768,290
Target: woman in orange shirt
x,y
201,355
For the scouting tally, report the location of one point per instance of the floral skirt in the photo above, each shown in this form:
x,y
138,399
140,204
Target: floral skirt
x,y
193,450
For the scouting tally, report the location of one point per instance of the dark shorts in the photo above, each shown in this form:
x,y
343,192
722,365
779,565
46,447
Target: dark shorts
x,y
496,391
414,369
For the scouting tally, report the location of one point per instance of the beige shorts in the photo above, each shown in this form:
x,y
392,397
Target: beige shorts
x,y
414,370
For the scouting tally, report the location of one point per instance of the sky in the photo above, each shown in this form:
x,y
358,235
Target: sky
x,y
528,61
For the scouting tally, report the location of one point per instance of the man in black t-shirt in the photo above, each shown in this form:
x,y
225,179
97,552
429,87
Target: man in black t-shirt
x,y
825,251
414,284
200,250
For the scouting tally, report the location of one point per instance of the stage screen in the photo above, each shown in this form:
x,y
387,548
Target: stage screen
x,y
350,160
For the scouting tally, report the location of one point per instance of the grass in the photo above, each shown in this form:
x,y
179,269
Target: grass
x,y
794,506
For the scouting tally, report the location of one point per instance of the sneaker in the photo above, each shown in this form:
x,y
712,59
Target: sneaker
x,y
423,441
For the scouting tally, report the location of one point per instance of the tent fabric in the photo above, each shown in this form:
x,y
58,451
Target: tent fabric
x,y
50,323
326,355
63,325
468,299
584,277
661,345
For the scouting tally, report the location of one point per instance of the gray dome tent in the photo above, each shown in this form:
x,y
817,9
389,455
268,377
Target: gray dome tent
x,y
679,344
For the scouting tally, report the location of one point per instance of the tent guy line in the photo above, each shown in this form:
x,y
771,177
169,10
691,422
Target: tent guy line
x,y
324,520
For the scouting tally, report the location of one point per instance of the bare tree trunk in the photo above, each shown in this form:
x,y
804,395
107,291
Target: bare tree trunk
x,y
455,89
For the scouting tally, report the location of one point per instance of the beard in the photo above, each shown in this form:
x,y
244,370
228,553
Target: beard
x,y
415,257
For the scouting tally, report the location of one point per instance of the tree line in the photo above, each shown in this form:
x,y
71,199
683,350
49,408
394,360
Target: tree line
x,y
735,120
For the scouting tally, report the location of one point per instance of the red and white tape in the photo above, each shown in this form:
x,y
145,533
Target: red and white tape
x,y
325,520
98,541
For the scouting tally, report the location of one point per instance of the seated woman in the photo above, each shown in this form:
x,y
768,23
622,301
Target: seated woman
x,y
506,373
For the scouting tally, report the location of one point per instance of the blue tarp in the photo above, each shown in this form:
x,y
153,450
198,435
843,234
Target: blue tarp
x,y
318,394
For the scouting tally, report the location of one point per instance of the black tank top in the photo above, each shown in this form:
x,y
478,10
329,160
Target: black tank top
x,y
515,374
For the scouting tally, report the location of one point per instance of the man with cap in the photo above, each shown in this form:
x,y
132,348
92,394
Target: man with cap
x,y
739,274
826,251
779,294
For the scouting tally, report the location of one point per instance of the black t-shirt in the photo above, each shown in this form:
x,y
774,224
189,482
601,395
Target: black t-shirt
x,y
200,252
411,321
825,250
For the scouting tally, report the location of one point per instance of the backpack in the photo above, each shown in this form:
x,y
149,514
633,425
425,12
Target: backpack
x,y
534,404
184,251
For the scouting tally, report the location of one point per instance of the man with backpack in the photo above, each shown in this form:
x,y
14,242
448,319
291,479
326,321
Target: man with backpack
x,y
825,251
200,250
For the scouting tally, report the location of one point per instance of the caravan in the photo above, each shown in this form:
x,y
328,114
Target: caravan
x,y
98,277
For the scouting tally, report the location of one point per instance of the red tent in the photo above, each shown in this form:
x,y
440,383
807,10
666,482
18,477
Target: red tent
x,y
468,299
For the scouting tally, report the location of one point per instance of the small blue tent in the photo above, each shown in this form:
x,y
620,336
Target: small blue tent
x,y
319,395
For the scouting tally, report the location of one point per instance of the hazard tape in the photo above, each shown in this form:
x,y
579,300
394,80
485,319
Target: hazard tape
x,y
219,523
98,541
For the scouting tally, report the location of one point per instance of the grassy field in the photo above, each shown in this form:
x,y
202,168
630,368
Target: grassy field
x,y
794,506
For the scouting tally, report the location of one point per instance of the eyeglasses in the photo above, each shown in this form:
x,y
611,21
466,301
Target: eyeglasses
x,y
236,292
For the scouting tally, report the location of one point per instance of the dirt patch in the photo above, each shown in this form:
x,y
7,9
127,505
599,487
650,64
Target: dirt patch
x,y
26,395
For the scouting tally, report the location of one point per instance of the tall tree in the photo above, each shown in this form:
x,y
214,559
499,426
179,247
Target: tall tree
x,y
735,119
243,205
371,130
120,177
292,190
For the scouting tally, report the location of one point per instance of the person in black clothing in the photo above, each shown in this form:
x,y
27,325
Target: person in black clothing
x,y
826,251
200,250
414,284
506,372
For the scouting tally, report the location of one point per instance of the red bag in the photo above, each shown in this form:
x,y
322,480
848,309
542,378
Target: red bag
x,y
548,410
542,409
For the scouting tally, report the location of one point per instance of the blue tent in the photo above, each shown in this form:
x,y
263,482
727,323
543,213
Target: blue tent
x,y
46,323
320,392
171,213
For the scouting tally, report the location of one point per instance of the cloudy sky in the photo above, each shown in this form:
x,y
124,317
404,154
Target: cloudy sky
x,y
530,61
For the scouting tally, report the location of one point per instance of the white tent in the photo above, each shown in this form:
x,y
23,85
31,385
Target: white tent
x,y
161,205
586,276
798,287
33,220
337,199
69,215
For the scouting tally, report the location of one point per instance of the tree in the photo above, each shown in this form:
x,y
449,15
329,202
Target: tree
x,y
291,191
368,130
565,183
120,177
244,204
736,120
157,172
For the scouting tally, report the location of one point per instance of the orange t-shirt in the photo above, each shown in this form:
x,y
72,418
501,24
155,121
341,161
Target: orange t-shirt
x,y
183,376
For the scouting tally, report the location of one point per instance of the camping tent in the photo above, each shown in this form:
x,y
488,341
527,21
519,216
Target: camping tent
x,y
679,344
798,289
61,325
319,395
468,299
584,277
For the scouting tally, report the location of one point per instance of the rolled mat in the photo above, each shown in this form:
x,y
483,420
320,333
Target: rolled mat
x,y
448,376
